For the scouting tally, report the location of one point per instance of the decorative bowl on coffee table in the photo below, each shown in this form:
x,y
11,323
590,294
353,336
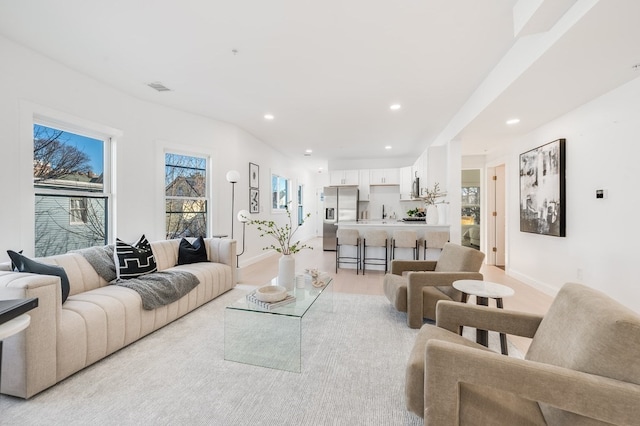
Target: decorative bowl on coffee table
x,y
271,293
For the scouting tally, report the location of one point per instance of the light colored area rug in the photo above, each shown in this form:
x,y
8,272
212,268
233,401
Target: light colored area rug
x,y
353,370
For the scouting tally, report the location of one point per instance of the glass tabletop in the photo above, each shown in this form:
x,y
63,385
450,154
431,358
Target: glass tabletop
x,y
304,298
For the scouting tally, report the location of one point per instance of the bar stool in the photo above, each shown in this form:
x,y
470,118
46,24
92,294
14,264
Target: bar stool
x,y
375,238
435,240
348,237
404,239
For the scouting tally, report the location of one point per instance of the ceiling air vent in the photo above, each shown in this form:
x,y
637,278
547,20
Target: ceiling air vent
x,y
159,87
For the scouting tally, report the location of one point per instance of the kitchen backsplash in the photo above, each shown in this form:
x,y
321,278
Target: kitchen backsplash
x,y
389,197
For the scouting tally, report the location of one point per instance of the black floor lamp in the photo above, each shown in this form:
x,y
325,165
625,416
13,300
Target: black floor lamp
x,y
232,177
243,216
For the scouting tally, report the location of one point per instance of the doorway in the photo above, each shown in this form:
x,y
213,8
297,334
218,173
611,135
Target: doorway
x,y
470,209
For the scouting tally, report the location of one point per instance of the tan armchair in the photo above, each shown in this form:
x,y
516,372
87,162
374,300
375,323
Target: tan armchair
x,y
581,368
426,281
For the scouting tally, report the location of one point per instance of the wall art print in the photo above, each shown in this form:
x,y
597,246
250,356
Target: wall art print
x,y
254,176
254,200
542,190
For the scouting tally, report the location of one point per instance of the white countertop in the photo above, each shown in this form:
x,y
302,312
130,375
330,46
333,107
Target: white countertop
x,y
386,223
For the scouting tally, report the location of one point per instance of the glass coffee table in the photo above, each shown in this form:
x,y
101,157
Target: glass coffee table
x,y
273,337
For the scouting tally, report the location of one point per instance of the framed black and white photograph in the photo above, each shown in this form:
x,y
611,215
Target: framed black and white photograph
x,y
542,190
254,176
254,200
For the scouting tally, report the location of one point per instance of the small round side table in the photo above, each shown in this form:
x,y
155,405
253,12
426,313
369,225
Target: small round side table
x,y
485,290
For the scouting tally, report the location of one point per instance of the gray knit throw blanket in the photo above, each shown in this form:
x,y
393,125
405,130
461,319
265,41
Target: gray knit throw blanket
x,y
155,289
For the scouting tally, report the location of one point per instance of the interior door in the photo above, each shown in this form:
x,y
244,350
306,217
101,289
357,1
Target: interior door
x,y
499,216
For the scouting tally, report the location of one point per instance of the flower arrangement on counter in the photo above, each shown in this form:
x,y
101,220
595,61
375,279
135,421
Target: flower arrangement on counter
x,y
431,196
282,234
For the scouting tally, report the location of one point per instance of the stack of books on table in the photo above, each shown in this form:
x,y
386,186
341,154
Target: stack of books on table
x,y
251,298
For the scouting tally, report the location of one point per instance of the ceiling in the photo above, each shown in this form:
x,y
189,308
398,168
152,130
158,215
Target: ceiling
x,y
329,71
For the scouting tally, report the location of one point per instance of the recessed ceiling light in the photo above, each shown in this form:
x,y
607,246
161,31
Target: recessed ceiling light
x,y
395,106
308,151
513,121
387,147
268,117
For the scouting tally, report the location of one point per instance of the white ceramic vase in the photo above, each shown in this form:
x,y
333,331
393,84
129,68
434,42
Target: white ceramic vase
x,y
432,214
287,271
443,213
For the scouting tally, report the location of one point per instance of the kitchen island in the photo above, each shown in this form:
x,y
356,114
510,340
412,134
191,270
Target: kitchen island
x,y
391,225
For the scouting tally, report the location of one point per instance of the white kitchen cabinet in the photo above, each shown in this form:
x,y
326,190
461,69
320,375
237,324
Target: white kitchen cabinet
x,y
363,186
384,177
406,182
344,177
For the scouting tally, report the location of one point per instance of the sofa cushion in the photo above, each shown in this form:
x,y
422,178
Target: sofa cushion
x,y
134,260
24,264
192,252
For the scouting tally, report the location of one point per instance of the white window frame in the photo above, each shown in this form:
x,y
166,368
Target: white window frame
x,y
67,123
277,209
208,190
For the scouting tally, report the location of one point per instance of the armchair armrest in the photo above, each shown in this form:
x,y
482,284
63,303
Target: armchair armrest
x,y
400,266
449,366
453,315
417,280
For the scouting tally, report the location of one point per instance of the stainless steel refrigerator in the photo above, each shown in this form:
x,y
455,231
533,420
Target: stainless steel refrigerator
x,y
340,205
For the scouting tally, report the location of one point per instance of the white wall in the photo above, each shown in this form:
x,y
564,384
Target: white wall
x,y
30,82
600,249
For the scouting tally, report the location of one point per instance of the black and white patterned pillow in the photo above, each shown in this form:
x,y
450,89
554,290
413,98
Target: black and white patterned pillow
x,y
134,260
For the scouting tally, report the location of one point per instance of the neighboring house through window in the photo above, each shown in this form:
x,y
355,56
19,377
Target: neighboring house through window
x,y
77,211
71,198
186,196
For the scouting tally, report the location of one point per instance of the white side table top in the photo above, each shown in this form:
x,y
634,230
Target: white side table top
x,y
483,288
14,326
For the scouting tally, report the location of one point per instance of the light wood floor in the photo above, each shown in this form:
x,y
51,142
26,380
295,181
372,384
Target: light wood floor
x,y
526,298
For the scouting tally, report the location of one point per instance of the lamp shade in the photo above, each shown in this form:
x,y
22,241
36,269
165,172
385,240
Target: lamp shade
x,y
233,176
243,216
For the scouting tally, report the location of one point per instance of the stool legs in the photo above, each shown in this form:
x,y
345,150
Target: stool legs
x,y
349,259
377,260
393,250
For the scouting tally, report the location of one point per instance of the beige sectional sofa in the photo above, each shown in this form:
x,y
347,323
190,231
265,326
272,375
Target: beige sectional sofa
x,y
97,319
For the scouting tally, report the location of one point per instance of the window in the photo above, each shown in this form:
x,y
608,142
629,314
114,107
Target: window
x,y
71,203
186,197
300,208
470,195
471,204
77,211
279,193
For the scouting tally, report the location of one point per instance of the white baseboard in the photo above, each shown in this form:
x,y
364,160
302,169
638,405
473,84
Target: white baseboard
x,y
538,285
255,259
